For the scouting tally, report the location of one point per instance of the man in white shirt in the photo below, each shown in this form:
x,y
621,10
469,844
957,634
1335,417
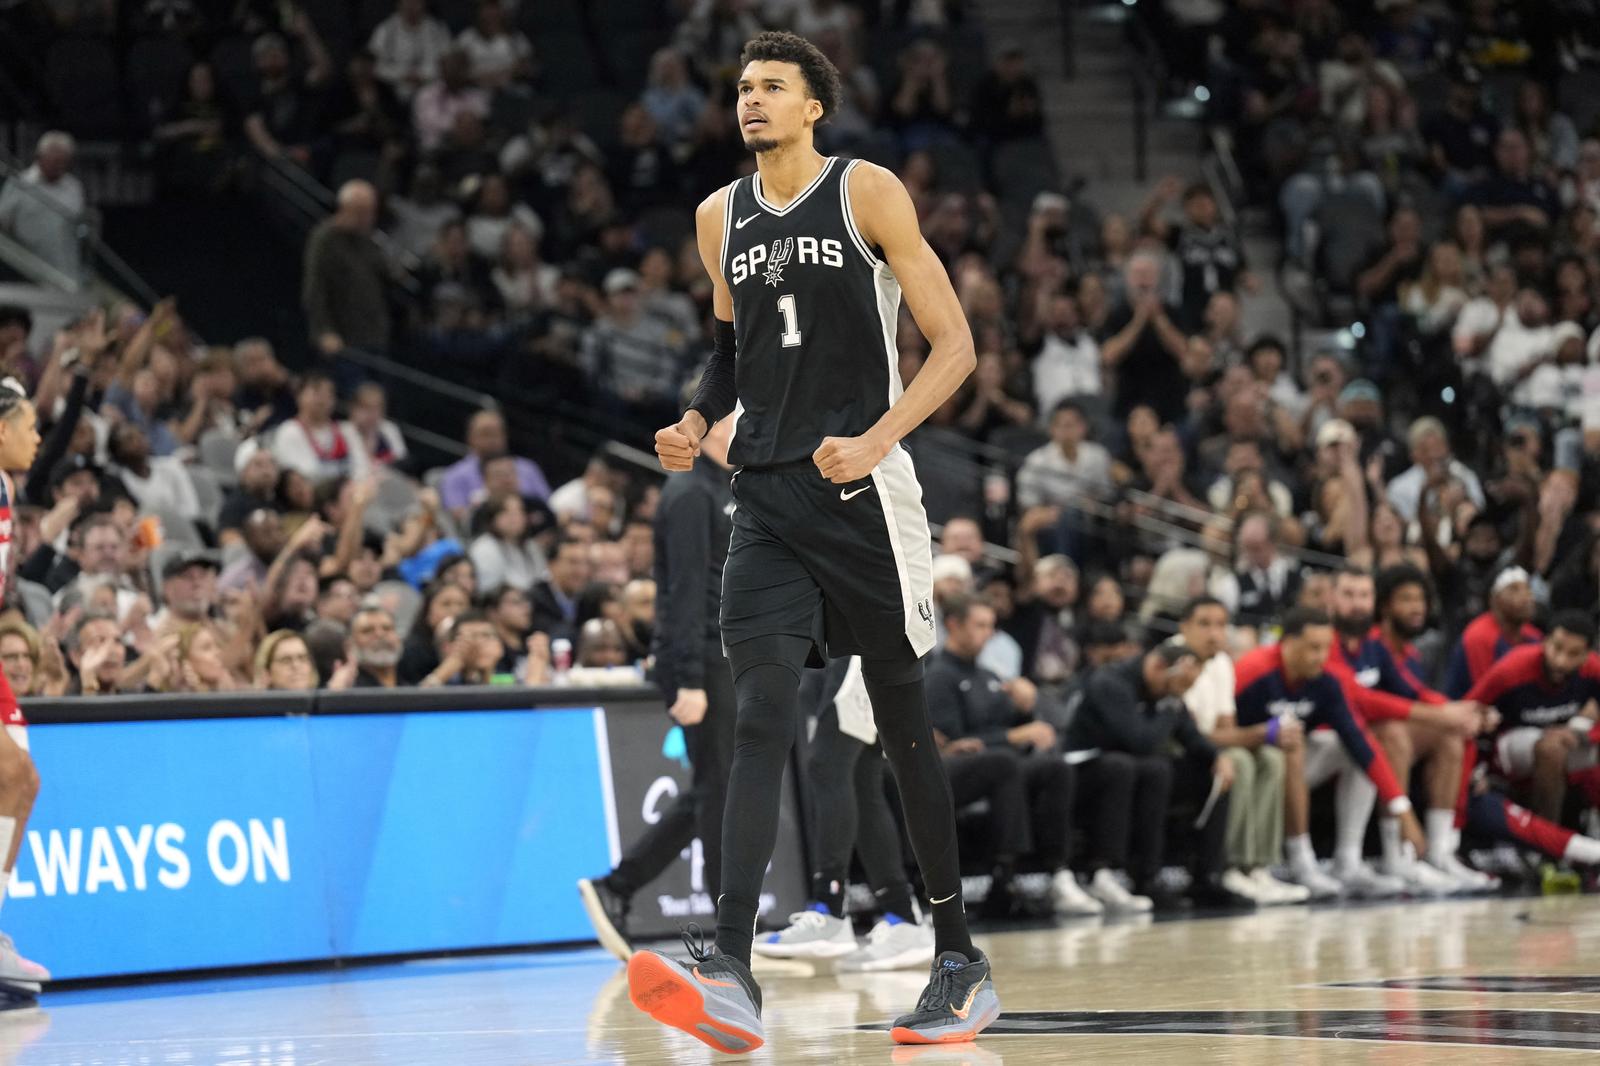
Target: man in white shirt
x,y
1430,456
1255,811
1522,340
1057,473
499,55
407,46
1068,362
1482,317
43,206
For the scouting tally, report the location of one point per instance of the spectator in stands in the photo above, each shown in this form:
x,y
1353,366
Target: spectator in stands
x,y
313,443
461,485
967,701
713,34
500,552
511,612
440,106
97,655
636,358
643,172
257,490
499,56
262,533
922,106
1007,104
494,215
408,46
159,483
283,662
674,101
370,430
343,289
1462,135
421,213
1432,466
264,395
1207,253
188,591
555,599
43,207
1067,362
601,644
472,653
1514,198
1268,582
1142,344
374,648
337,601
283,116
524,283
32,661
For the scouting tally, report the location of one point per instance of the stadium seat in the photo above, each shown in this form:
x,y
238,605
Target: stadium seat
x,y
37,602
176,529
217,448
156,71
85,87
208,487
1023,169
395,500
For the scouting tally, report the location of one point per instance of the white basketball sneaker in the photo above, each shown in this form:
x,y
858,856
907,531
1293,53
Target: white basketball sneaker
x,y
812,934
892,944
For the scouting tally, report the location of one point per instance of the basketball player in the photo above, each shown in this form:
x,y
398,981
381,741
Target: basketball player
x,y
19,781
808,258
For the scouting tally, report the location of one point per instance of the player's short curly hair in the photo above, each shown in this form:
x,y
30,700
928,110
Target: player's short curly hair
x,y
778,46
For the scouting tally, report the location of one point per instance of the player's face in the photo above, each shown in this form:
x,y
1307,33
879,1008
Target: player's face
x,y
1352,603
1563,653
1407,610
19,438
773,105
1304,655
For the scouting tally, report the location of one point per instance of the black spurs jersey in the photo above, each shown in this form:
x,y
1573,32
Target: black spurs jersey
x,y
814,310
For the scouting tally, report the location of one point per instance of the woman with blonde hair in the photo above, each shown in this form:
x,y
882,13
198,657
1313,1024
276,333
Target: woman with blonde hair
x,y
284,663
201,667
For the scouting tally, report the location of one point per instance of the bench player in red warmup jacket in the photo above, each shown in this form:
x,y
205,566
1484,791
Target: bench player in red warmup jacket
x,y
19,782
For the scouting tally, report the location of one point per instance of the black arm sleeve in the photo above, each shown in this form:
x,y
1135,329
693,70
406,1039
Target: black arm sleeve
x,y
718,393
37,490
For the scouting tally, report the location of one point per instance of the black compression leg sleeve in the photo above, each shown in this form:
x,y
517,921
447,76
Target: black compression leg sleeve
x,y
830,772
878,839
766,679
900,709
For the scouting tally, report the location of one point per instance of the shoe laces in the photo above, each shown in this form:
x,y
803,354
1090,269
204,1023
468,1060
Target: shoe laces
x,y
694,942
940,990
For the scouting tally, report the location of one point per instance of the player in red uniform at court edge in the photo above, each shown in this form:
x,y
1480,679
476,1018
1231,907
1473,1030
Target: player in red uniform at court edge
x,y
19,781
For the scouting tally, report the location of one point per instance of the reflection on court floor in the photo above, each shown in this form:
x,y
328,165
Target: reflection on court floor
x,y
1482,981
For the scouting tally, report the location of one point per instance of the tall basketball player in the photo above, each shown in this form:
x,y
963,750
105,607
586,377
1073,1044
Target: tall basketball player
x,y
830,549
19,782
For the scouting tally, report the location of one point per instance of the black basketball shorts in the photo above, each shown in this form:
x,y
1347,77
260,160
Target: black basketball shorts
x,y
849,566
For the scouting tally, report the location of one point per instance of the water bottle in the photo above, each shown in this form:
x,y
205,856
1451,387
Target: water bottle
x,y
560,659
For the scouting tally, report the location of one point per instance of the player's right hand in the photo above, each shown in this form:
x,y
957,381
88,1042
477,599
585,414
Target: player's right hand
x,y
677,445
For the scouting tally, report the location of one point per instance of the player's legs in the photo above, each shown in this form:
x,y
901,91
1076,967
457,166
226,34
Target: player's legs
x,y
1107,784
1496,817
1548,785
897,940
1321,760
19,787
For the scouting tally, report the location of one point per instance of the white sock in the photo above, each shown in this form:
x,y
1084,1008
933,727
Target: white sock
x,y
1389,833
8,833
1353,799
1301,854
1441,826
1583,850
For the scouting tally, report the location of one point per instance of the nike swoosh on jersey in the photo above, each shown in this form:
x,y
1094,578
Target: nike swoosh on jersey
x,y
847,496
741,223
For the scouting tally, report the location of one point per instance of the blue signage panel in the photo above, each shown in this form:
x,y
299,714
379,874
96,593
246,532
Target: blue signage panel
x,y
195,844
170,845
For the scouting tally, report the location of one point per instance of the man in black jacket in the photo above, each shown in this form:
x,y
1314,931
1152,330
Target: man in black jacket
x,y
995,748
1132,714
555,599
692,529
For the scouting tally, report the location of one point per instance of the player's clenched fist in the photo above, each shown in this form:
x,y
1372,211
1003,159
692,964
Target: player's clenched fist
x,y
845,459
677,445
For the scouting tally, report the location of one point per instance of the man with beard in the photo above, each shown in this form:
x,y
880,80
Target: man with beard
x,y
1548,699
188,591
1507,624
1439,735
376,647
1465,583
1357,661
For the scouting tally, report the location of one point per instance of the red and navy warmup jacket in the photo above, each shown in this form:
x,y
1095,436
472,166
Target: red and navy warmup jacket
x,y
1482,645
1377,684
1262,691
10,711
1517,687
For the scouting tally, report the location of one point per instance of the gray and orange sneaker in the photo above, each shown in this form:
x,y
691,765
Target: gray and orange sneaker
x,y
714,998
958,1003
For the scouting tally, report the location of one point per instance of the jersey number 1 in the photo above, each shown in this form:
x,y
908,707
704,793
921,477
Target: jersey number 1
x,y
791,321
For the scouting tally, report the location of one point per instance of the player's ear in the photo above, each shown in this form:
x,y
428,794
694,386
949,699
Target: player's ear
x,y
814,109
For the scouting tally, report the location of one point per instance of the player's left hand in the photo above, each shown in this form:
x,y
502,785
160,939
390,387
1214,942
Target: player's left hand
x,y
845,459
